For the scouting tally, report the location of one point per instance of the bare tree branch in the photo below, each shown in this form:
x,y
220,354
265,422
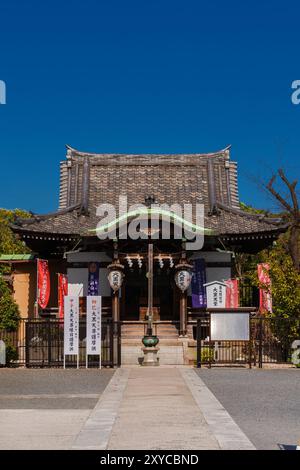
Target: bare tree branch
x,y
279,198
292,189
293,244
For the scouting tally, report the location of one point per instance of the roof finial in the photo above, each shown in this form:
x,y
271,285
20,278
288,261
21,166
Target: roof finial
x,y
149,200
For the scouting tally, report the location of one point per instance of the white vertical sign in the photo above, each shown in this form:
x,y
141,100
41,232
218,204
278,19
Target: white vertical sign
x,y
71,324
215,294
93,325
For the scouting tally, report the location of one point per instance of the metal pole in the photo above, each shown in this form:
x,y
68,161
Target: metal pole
x,y
100,355
260,343
36,313
115,306
198,343
49,340
119,344
183,313
150,289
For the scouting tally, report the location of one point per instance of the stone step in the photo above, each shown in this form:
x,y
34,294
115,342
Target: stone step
x,y
164,333
139,339
162,341
169,354
139,328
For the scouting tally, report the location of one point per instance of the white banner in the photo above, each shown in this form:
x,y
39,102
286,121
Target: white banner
x,y
71,324
93,325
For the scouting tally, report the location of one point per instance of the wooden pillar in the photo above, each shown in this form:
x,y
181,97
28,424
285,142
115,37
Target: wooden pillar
x,y
183,313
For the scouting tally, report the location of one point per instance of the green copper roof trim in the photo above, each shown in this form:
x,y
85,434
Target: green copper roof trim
x,y
17,257
157,211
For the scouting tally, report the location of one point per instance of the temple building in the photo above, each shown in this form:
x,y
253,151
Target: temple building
x,y
69,239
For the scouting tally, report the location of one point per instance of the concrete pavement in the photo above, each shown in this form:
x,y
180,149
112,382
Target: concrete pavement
x,y
159,408
37,429
46,408
265,403
165,407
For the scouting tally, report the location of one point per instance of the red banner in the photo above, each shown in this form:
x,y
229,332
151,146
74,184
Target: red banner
x,y
62,291
43,283
232,293
265,296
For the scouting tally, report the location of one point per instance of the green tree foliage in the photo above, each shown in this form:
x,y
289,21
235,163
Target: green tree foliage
x,y
9,242
284,276
285,280
9,311
285,288
248,208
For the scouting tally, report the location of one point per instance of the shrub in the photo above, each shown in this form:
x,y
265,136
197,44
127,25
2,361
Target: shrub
x,y
9,311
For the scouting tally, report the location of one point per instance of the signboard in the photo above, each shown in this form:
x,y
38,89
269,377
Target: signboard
x,y
216,294
71,325
229,326
93,325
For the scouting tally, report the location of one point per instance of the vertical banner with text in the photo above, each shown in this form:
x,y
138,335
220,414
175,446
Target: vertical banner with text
x,y
232,293
93,325
265,293
43,283
93,280
198,281
71,325
62,292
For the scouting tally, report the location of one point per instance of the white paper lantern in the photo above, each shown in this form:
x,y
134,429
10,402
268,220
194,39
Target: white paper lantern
x,y
183,279
115,279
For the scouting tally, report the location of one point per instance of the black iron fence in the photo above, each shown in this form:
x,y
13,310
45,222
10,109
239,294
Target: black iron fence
x,y
269,342
40,343
248,295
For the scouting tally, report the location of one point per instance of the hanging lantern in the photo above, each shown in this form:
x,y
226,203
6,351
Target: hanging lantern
x,y
183,275
115,275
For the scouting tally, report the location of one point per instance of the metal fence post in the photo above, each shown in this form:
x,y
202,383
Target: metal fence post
x,y
198,343
49,341
27,356
260,358
111,343
119,343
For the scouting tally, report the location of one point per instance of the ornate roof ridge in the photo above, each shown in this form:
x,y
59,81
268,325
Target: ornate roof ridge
x,y
38,217
262,217
72,152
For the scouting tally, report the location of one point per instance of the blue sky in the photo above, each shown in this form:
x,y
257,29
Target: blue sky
x,y
146,76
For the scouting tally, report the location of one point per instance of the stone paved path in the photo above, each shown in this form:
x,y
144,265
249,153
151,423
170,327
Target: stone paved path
x,y
158,411
166,407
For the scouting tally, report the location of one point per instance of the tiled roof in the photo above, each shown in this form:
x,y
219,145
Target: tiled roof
x,y
87,180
